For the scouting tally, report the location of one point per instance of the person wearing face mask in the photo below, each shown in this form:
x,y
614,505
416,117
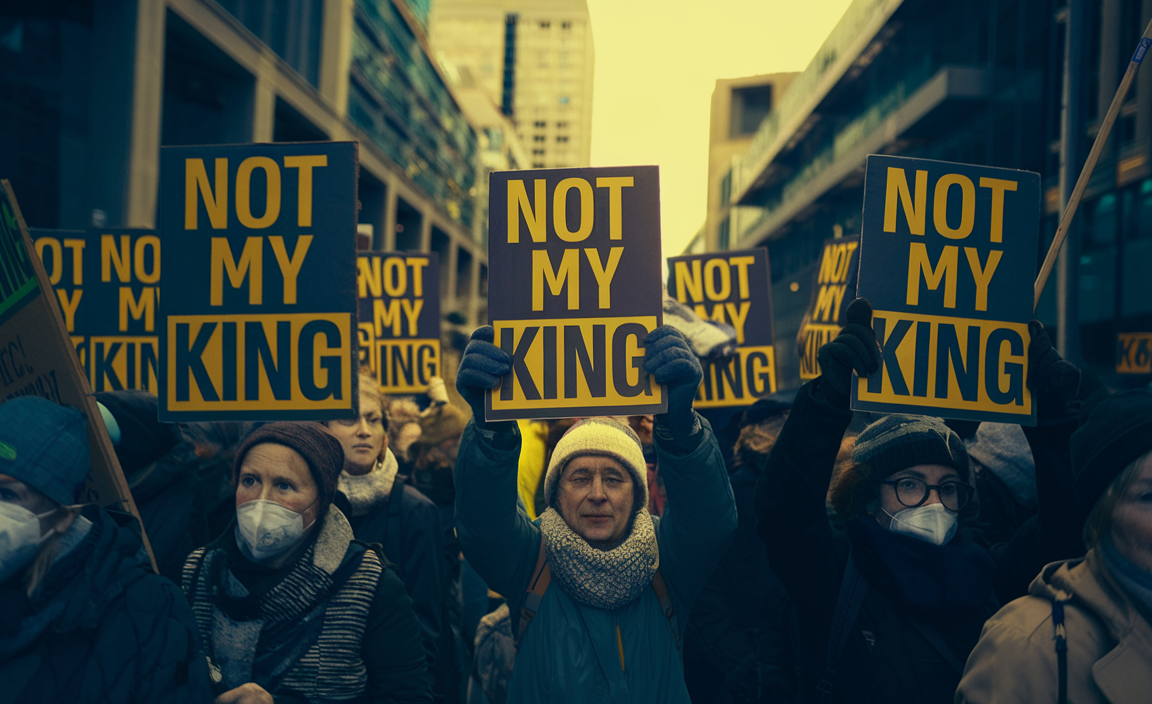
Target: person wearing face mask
x,y
82,615
1084,632
607,621
291,607
891,600
383,508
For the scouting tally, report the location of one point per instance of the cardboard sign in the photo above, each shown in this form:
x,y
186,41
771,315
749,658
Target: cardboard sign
x,y
399,330
260,264
1134,353
947,260
574,289
108,285
834,289
733,288
36,357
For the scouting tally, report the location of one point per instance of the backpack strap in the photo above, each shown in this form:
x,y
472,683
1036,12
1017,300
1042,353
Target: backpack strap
x,y
853,586
666,604
1061,636
533,596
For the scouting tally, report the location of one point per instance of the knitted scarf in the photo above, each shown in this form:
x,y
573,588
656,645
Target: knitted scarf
x,y
367,491
603,579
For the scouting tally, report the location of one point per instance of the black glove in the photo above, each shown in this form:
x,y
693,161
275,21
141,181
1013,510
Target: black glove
x,y
1052,379
669,358
481,369
854,349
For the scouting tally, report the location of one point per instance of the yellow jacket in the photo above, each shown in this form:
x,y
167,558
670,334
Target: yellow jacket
x,y
533,447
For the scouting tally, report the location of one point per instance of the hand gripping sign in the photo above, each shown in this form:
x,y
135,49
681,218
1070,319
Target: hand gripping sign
x,y
399,329
108,285
574,288
733,288
947,260
260,291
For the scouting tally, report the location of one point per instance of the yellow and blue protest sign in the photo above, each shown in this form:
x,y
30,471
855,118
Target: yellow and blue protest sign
x,y
259,267
835,288
574,289
947,260
733,288
399,329
108,286
1134,353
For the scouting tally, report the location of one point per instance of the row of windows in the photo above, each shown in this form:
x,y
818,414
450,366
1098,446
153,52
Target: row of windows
x,y
541,124
547,24
562,139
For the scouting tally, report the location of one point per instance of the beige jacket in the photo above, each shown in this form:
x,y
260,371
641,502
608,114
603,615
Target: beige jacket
x,y
1109,643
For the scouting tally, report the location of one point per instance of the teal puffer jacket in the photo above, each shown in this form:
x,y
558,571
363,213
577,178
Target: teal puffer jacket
x,y
570,653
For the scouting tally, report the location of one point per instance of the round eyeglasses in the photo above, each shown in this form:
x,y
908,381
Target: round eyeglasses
x,y
913,492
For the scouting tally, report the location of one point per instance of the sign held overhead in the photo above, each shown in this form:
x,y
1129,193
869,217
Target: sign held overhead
x,y
399,330
835,288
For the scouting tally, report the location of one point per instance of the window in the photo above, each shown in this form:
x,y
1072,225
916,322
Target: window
x,y
545,24
537,152
562,125
565,25
562,138
749,107
539,138
539,124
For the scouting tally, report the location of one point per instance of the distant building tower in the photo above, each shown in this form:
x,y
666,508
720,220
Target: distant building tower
x,y
534,58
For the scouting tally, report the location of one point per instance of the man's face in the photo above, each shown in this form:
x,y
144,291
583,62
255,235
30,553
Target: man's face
x,y
595,498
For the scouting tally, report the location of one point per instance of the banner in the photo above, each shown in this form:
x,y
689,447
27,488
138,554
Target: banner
x,y
734,288
260,305
574,289
1134,353
834,289
954,327
108,285
36,357
399,330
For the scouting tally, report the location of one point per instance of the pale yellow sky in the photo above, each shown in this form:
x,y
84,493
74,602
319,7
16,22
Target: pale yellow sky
x,y
657,62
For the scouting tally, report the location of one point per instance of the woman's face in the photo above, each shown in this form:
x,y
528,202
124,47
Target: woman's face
x,y
363,438
13,491
277,473
930,474
1132,519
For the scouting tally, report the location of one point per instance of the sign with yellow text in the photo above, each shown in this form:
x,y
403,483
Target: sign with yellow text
x,y
947,260
1134,353
574,289
399,330
835,288
108,286
258,316
733,288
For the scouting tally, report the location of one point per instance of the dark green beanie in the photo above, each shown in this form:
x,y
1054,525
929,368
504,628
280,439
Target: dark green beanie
x,y
898,442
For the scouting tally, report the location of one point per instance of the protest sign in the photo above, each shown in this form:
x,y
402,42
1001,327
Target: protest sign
x,y
733,288
574,289
260,289
399,329
108,285
36,355
954,330
1134,353
834,289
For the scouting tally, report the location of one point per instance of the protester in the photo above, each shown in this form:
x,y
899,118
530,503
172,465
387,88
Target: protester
x,y
1005,478
215,444
403,431
383,509
601,629
1083,634
890,608
161,468
291,607
643,426
83,618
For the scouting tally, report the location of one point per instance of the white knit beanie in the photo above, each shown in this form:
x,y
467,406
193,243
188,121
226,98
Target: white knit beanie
x,y
599,436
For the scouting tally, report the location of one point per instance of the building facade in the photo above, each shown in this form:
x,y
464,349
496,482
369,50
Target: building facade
x,y
534,59
981,82
94,88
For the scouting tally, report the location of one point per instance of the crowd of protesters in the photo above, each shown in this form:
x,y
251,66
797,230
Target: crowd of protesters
x,y
789,551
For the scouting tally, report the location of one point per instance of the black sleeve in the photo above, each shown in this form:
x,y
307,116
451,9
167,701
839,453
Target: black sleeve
x,y
791,517
392,647
422,557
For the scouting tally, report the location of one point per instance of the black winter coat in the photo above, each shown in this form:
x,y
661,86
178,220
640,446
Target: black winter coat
x,y
167,498
886,659
126,634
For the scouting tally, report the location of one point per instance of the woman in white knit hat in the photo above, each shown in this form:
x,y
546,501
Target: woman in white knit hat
x,y
604,585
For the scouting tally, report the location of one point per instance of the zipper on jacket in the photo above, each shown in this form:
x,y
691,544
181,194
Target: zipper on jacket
x,y
871,639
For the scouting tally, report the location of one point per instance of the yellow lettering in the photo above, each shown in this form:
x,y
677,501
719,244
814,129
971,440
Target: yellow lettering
x,y
689,284
542,271
614,184
196,181
998,187
945,269
742,264
914,211
290,268
560,210
368,276
518,203
147,277
244,188
120,258
304,192
143,308
386,316
738,316
57,271
417,264
412,312
982,277
69,306
828,303
77,247
251,265
604,274
967,207
710,269
395,277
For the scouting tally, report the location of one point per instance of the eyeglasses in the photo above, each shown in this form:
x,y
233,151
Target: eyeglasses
x,y
913,492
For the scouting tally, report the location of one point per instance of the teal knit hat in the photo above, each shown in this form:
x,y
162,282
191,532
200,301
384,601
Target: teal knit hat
x,y
898,442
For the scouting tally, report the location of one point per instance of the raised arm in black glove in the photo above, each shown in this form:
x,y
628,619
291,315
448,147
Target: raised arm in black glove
x,y
1054,380
669,358
854,349
480,370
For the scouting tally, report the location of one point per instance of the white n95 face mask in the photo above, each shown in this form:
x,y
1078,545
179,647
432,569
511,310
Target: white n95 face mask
x,y
20,537
931,523
267,528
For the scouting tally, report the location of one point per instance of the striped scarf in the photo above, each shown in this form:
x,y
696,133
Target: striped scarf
x,y
603,579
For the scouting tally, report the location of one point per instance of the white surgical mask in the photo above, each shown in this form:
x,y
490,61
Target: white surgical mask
x,y
931,523
20,537
267,528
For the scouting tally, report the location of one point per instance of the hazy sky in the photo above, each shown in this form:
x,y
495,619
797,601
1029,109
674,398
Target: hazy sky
x,y
657,62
